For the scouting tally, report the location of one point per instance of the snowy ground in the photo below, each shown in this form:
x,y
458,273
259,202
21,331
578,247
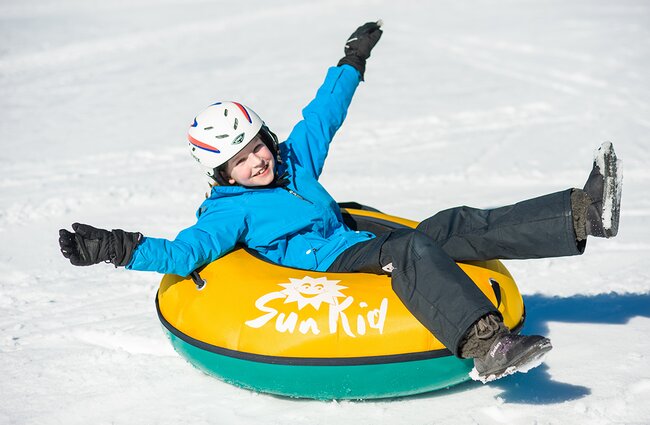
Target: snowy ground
x,y
478,102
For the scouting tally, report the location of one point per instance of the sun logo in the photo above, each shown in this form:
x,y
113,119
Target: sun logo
x,y
312,291
353,318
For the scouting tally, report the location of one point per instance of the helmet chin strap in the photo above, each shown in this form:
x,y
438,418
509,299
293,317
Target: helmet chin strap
x,y
281,181
271,141
218,177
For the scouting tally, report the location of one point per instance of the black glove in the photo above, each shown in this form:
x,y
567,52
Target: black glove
x,y
89,245
359,45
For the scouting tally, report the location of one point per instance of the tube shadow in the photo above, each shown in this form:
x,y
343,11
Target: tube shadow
x,y
611,308
537,386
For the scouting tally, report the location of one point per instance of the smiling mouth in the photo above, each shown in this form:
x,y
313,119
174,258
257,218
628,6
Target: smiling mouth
x,y
262,171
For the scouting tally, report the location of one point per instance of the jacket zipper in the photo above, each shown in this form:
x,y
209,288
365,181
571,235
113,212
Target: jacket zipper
x,y
291,191
297,195
312,250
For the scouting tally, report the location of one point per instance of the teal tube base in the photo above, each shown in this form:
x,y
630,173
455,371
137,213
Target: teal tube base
x,y
367,381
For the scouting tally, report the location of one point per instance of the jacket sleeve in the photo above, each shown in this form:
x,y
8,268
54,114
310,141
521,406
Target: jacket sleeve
x,y
310,138
210,238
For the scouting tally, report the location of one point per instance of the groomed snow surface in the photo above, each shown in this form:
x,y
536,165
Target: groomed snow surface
x,y
476,102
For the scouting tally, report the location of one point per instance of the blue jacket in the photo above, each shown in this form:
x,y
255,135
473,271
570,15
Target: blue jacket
x,y
298,226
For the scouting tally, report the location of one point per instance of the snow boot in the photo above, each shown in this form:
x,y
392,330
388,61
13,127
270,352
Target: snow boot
x,y
508,354
481,335
604,188
497,352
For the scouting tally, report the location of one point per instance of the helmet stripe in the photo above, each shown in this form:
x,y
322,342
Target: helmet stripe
x,y
245,112
202,145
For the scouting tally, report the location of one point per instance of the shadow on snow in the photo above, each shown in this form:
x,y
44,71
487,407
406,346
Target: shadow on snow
x,y
610,308
537,386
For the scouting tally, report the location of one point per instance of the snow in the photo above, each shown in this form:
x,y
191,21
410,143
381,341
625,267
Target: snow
x,y
483,102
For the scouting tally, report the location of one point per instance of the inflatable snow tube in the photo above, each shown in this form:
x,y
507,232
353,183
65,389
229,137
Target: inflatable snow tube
x,y
301,333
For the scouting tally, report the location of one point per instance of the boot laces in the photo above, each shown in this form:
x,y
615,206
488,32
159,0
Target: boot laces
x,y
486,327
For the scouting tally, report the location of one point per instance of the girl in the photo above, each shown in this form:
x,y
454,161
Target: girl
x,y
267,197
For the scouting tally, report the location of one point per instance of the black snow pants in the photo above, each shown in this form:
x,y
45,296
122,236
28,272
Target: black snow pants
x,y
421,261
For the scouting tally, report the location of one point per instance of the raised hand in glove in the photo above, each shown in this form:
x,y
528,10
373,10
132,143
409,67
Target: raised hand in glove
x,y
88,245
359,45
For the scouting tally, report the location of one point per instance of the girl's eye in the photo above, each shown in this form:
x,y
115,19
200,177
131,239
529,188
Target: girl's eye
x,y
258,147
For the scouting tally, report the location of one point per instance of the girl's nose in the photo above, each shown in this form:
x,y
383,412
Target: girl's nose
x,y
255,159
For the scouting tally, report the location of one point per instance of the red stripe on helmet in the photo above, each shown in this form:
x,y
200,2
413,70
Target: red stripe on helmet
x,y
244,111
202,145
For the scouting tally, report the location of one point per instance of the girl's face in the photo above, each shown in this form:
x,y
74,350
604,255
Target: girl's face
x,y
252,166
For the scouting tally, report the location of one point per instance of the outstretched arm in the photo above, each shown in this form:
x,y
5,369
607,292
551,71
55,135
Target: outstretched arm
x,y
192,248
310,138
211,237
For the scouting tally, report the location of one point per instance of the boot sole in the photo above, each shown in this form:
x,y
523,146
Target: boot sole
x,y
528,360
609,166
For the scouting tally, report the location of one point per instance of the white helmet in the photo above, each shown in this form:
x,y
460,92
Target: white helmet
x,y
220,131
